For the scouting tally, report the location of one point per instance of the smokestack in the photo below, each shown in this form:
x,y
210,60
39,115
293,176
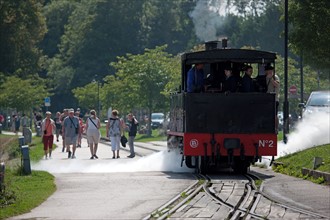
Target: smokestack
x,y
224,43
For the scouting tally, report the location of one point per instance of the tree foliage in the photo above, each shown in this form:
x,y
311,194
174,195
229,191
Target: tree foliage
x,y
98,31
21,94
57,14
258,25
311,81
82,37
310,33
88,95
22,27
141,80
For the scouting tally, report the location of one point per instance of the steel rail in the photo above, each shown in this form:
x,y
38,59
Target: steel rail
x,y
289,207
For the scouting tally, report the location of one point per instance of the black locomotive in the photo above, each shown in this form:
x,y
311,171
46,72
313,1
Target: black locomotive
x,y
216,128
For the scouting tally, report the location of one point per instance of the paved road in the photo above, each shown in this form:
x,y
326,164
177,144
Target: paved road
x,y
109,188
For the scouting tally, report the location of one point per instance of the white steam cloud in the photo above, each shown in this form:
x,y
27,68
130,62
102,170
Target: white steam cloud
x,y
313,130
160,161
208,18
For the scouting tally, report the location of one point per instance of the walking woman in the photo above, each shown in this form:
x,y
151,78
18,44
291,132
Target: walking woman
x,y
48,129
114,130
93,133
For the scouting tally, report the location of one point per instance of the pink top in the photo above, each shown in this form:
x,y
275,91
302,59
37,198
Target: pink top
x,y
48,125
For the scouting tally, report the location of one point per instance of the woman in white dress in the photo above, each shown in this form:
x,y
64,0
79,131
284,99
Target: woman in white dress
x,y
93,133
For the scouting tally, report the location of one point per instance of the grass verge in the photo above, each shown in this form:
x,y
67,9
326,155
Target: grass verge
x,y
293,163
21,193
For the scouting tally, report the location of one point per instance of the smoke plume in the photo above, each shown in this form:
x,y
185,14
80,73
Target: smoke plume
x,y
208,18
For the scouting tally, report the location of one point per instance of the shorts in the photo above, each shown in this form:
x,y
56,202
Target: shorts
x,y
93,136
70,140
58,131
48,142
115,143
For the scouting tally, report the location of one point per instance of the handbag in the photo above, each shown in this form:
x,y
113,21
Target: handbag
x,y
123,140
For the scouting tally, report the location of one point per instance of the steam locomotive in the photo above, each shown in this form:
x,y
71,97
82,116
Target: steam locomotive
x,y
215,129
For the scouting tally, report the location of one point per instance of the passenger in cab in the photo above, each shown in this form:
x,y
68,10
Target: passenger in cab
x,y
273,86
230,84
247,81
195,78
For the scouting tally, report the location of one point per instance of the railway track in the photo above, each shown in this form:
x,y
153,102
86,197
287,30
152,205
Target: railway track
x,y
224,196
228,197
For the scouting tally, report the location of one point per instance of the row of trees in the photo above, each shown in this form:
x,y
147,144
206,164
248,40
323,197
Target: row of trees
x,y
79,51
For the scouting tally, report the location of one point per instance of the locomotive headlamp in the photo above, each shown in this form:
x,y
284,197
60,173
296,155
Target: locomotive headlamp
x,y
231,143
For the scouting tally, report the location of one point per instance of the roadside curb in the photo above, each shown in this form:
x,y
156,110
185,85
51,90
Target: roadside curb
x,y
316,174
312,173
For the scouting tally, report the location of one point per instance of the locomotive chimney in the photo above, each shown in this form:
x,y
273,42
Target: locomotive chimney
x,y
224,43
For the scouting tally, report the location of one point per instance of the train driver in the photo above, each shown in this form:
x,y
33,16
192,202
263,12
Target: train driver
x,y
195,78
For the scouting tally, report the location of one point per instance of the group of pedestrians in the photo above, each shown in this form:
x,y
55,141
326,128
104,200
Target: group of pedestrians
x,y
70,126
115,130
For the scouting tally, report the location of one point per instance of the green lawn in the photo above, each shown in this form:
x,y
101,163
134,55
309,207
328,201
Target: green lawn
x,y
293,163
23,192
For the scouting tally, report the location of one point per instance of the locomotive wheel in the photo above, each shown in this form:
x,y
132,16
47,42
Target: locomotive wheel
x,y
200,165
197,165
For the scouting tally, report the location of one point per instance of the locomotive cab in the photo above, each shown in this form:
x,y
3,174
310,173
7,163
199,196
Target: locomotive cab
x,y
216,128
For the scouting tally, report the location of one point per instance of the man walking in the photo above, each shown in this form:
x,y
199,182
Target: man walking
x,y
70,130
132,129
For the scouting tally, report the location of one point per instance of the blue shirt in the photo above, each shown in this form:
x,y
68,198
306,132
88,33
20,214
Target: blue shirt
x,y
195,80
